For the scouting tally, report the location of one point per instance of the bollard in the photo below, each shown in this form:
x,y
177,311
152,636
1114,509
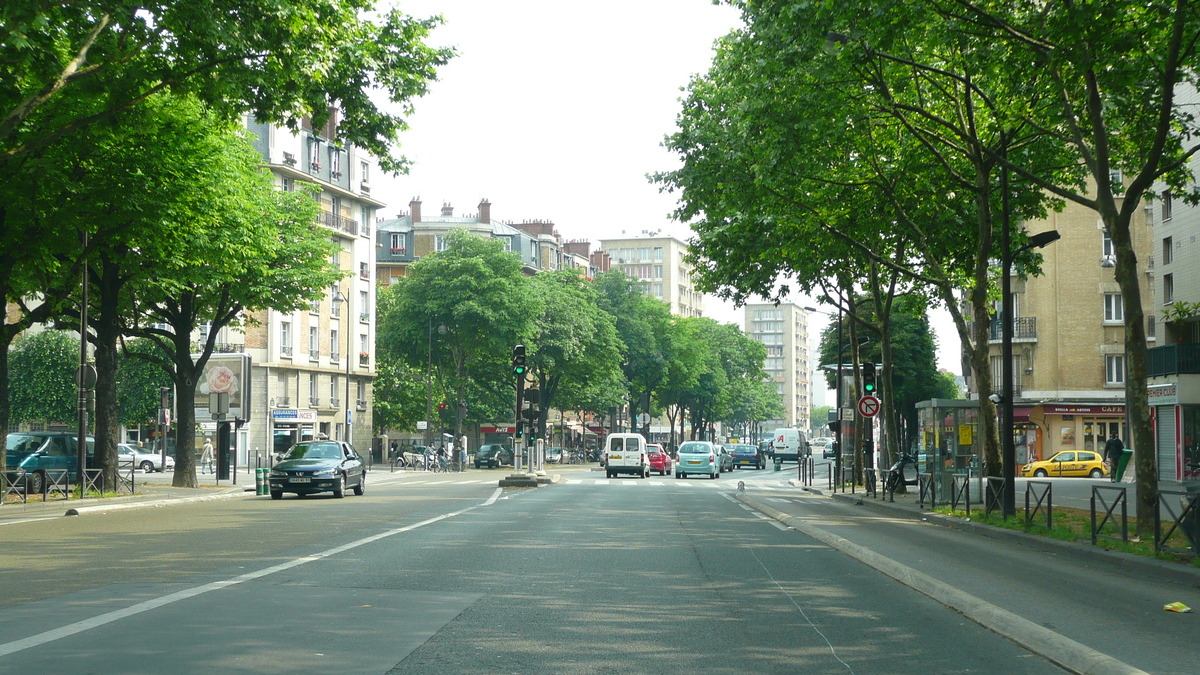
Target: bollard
x,y
260,481
779,464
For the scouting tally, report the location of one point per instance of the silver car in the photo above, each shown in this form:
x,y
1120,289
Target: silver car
x,y
139,458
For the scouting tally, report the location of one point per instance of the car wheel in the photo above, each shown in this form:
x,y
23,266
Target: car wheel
x,y
678,474
1040,473
340,490
362,485
276,494
1096,473
147,466
608,474
36,483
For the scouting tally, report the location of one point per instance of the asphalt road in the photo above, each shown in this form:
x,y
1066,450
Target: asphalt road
x,y
447,574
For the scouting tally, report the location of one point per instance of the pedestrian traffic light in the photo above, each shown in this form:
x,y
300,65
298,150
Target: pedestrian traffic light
x,y
868,373
520,429
518,360
532,396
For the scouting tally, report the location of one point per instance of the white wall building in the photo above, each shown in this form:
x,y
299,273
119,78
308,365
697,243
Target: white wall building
x,y
783,330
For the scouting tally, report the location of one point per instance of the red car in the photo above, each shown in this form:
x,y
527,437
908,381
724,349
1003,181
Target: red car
x,y
660,461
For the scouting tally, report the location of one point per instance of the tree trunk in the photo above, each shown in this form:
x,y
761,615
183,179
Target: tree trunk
x,y
107,333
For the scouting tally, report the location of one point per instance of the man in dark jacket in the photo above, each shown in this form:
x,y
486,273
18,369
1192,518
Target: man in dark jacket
x,y
1112,454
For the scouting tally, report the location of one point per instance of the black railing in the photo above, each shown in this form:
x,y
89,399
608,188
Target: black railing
x,y
1173,359
1024,328
347,225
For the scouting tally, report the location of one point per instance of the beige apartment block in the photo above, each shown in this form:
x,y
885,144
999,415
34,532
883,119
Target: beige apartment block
x,y
658,263
783,330
1069,337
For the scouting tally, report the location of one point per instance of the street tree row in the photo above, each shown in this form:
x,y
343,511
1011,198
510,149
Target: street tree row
x,y
447,328
121,161
880,148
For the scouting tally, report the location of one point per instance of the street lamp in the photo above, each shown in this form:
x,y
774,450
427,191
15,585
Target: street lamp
x,y
1008,460
429,382
339,297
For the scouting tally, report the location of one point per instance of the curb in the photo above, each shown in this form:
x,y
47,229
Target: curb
x,y
1058,649
105,508
1177,573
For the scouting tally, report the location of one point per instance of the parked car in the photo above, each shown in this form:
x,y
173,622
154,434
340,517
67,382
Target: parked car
x,y
493,456
749,456
660,460
40,451
1068,463
699,457
830,451
140,458
318,466
553,455
725,458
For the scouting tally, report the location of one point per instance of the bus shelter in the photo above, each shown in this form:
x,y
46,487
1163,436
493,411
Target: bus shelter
x,y
949,443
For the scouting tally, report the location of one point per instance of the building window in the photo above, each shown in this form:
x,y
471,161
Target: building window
x,y
1168,289
315,306
362,345
439,243
285,338
312,390
1114,311
397,242
1114,369
334,343
658,254
364,314
1106,247
314,342
364,270
288,185
1168,253
364,172
1166,204
508,243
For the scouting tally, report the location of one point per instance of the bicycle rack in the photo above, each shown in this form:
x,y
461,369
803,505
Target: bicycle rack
x,y
927,488
14,483
1045,498
869,483
888,494
960,490
994,499
1098,495
58,481
1187,521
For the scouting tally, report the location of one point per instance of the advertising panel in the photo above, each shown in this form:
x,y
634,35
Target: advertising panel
x,y
229,374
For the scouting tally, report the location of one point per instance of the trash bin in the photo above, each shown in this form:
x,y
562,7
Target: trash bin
x,y
1122,463
778,463
260,481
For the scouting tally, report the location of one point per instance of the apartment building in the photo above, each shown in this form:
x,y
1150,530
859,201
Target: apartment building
x,y
312,370
658,263
783,330
1069,337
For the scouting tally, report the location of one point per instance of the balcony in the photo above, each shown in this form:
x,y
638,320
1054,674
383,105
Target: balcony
x,y
364,359
314,402
228,348
335,403
364,317
1024,328
285,350
282,401
1177,359
347,225
360,405
334,357
314,354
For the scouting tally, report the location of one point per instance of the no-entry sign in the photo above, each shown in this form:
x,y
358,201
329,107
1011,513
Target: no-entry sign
x,y
868,406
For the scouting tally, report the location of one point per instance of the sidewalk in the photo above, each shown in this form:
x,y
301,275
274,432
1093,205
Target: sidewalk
x,y
147,494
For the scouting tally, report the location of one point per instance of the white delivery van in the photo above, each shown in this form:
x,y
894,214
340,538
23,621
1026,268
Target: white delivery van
x,y
790,444
626,453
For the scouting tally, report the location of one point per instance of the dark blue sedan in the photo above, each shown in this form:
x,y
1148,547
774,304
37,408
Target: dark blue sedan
x,y
318,466
748,455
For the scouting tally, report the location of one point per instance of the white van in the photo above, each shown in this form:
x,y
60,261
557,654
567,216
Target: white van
x,y
626,453
789,444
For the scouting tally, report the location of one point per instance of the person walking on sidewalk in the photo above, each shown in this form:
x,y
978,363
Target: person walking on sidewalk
x,y
206,457
1112,454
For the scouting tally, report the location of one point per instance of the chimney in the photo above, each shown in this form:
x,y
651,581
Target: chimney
x,y
447,210
414,207
485,211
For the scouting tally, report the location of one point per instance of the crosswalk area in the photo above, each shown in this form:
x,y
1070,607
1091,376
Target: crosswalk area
x,y
421,479
697,483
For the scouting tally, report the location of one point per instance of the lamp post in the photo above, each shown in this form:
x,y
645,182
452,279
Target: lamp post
x,y
340,297
429,382
1008,460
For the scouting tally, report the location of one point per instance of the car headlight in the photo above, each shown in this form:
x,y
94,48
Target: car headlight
x,y
325,473
276,473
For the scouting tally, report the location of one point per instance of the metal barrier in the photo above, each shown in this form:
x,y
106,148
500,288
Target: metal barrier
x,y
94,480
1186,521
807,470
960,490
14,483
869,483
888,488
847,477
927,488
1045,498
994,499
56,482
1098,494
830,467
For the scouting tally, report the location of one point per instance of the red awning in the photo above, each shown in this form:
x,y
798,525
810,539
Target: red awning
x,y
1021,414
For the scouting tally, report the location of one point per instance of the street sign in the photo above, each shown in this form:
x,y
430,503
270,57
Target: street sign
x,y
422,425
847,414
868,406
349,417
644,418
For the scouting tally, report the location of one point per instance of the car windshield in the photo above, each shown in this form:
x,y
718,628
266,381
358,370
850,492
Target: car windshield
x,y
695,449
745,448
315,451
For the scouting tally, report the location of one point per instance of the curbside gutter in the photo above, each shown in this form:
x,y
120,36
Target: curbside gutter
x,y
105,508
1058,649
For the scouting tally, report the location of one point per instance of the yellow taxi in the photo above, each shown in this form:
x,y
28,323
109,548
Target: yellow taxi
x,y
1068,463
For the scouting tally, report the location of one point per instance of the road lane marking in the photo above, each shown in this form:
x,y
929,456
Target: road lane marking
x,y
601,481
154,603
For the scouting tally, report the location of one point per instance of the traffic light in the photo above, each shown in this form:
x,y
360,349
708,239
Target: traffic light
x,y
532,396
868,373
518,360
520,429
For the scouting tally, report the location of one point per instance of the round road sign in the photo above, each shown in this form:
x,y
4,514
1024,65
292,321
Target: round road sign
x,y
868,406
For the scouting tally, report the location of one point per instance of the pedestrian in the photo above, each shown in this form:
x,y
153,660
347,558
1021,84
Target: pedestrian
x,y
392,451
1112,454
206,457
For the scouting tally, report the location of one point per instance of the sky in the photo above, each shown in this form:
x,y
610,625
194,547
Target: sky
x,y
557,110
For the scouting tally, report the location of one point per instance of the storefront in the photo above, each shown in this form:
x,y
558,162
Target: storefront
x,y
1175,410
1054,427
289,426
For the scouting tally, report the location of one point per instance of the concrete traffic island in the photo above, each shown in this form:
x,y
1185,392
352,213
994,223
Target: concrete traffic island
x,y
535,479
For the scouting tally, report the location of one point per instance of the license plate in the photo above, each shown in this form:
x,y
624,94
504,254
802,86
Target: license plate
x,y
694,462
614,457
299,479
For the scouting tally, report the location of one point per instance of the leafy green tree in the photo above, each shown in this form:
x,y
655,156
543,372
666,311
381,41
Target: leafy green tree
x,y
43,368
643,325
138,380
818,416
575,342
398,395
477,291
